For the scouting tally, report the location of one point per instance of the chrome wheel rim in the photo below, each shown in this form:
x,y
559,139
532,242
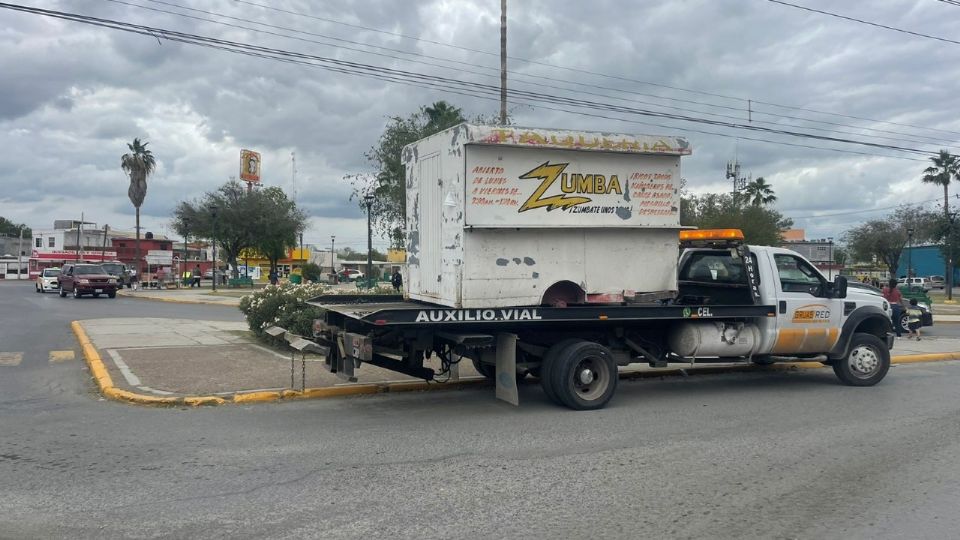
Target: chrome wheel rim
x,y
864,361
591,378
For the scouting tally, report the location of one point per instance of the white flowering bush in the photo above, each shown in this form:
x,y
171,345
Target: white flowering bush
x,y
282,305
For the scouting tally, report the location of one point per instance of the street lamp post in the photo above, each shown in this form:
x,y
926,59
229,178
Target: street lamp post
x,y
333,265
909,254
369,199
20,256
213,212
830,267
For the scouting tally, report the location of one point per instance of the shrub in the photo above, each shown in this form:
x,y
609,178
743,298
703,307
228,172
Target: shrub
x,y
311,272
282,305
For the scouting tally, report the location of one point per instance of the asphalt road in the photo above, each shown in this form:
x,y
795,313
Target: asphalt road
x,y
762,455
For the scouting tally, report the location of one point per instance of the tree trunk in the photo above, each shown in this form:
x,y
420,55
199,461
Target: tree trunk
x,y
137,264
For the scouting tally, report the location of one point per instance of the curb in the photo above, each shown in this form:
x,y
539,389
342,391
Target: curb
x,y
105,383
98,371
176,300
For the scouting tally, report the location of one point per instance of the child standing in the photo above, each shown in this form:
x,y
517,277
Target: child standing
x,y
913,319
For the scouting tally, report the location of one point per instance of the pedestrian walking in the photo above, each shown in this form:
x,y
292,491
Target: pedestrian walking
x,y
397,281
914,316
892,294
274,276
197,275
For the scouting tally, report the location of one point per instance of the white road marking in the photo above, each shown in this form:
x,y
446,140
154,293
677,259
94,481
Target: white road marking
x,y
155,391
11,359
132,379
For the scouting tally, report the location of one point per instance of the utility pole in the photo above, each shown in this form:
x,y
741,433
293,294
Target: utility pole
x,y
333,264
503,62
369,200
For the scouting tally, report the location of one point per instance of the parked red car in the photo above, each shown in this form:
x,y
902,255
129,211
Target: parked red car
x,y
81,279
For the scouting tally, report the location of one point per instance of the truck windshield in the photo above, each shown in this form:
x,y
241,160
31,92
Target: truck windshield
x,y
82,270
114,269
714,267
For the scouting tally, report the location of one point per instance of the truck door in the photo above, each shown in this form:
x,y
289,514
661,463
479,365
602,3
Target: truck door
x,y
807,320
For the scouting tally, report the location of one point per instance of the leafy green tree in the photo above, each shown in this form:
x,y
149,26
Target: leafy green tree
x,y
277,222
9,228
886,237
138,164
761,226
759,192
264,219
387,183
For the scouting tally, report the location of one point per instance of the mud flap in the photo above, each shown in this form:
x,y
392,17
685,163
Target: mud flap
x,y
507,369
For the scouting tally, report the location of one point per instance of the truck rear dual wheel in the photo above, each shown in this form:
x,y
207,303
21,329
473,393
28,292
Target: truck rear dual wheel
x,y
579,374
866,363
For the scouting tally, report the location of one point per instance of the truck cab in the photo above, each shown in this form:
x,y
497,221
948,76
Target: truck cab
x,y
814,316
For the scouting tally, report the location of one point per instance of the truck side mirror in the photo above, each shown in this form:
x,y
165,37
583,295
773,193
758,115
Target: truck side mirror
x,y
840,287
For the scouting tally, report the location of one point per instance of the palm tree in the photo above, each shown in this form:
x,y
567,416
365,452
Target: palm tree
x,y
138,165
759,192
442,115
945,168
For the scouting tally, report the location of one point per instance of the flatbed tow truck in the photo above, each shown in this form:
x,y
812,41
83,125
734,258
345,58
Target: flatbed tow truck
x,y
735,303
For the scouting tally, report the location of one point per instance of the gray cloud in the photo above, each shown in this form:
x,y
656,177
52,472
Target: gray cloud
x,y
75,95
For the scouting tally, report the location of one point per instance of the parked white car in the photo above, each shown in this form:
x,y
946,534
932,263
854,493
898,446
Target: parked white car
x,y
938,282
48,280
920,282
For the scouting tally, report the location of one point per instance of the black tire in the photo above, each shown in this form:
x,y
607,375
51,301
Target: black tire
x,y
487,370
866,363
584,375
63,293
545,367
112,294
76,292
904,324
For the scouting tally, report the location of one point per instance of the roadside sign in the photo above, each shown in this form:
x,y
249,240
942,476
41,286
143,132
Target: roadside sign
x,y
250,166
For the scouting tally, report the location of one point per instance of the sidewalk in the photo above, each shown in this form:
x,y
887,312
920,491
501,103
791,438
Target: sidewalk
x,y
181,358
167,360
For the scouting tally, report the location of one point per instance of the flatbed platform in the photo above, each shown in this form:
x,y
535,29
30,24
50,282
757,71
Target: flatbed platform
x,y
392,310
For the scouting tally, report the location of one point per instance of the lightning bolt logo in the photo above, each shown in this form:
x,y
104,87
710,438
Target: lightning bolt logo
x,y
549,174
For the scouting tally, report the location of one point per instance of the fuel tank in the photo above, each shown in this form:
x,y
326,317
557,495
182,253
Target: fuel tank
x,y
692,339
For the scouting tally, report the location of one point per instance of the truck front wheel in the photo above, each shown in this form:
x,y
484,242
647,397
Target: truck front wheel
x,y
866,363
583,375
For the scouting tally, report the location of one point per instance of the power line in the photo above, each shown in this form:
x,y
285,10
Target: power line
x,y
597,74
406,77
854,19
812,216
516,75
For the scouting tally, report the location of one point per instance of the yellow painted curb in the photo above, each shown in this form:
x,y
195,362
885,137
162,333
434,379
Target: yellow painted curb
x,y
178,300
931,357
197,401
256,397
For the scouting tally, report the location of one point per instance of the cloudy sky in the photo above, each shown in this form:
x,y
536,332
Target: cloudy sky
x,y
72,95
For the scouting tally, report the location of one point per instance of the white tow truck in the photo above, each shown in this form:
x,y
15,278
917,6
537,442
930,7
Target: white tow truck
x,y
560,254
